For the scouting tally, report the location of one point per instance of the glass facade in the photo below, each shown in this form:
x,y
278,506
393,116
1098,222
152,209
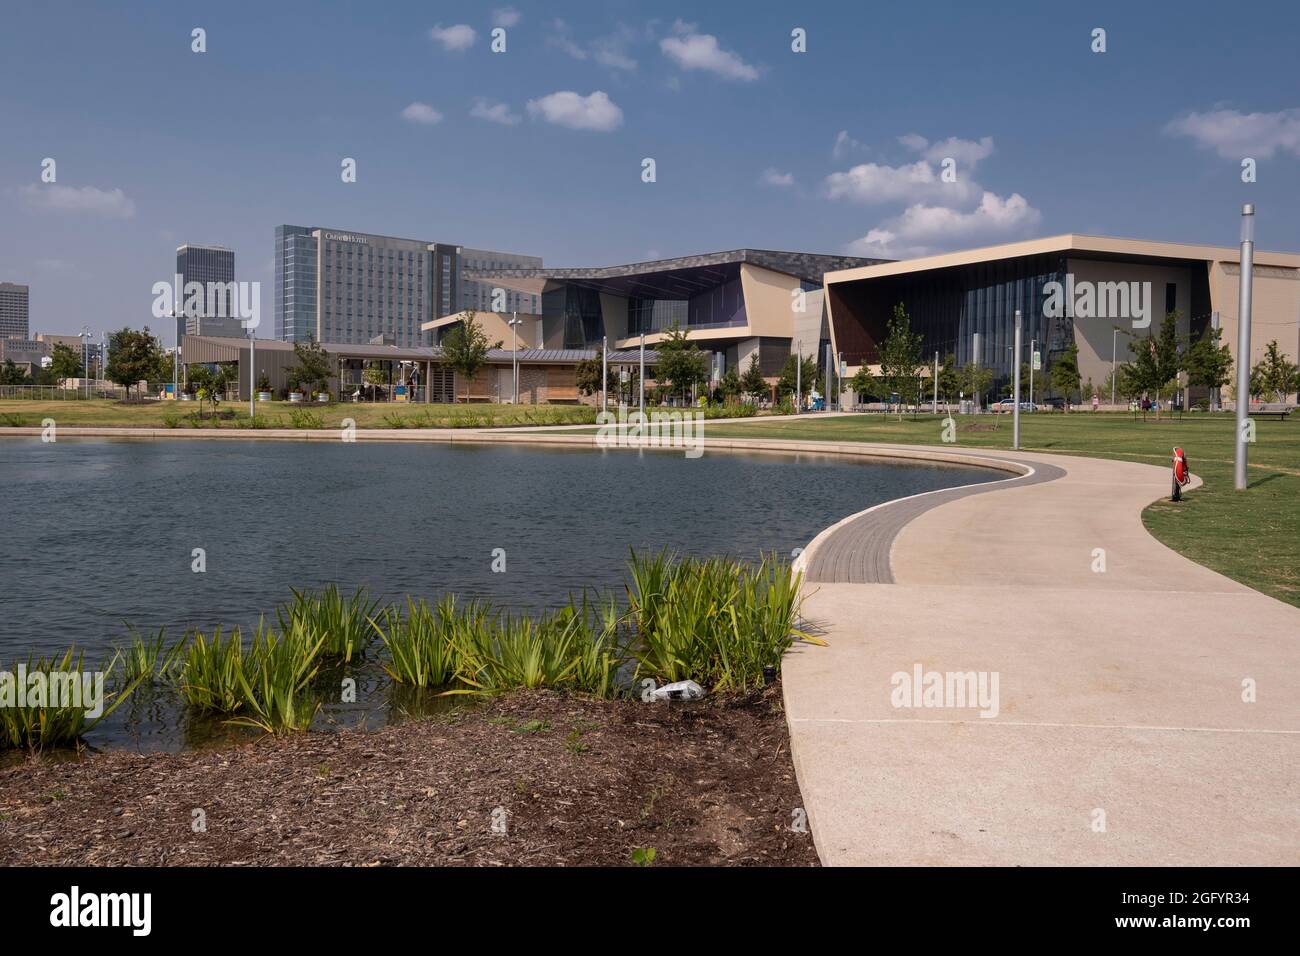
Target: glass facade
x,y
295,284
655,315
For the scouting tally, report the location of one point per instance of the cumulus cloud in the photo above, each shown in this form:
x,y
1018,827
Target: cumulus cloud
x,y
506,17
923,229
845,145
454,38
701,51
1236,135
915,182
109,203
966,152
772,177
421,113
595,111
494,112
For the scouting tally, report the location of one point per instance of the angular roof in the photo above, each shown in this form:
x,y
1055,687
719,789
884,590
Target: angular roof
x,y
678,278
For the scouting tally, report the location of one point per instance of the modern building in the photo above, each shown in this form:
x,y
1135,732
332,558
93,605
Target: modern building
x,y
1091,291
340,286
734,304
545,375
15,317
214,268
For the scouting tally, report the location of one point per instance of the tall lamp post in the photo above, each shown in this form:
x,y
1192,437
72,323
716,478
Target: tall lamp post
x,y
1015,378
1243,341
85,356
252,370
604,373
641,388
798,377
514,356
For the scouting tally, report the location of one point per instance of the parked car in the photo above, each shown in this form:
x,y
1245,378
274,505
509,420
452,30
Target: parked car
x,y
1007,404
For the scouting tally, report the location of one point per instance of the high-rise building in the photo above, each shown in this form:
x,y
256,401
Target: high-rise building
x,y
214,268
15,319
335,286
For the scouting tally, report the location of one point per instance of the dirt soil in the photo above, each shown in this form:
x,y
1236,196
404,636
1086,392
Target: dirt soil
x,y
566,781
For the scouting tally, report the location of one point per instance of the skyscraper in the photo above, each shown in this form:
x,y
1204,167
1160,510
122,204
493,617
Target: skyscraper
x,y
210,265
335,286
15,320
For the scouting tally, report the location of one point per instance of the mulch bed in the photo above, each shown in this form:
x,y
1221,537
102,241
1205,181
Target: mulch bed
x,y
577,782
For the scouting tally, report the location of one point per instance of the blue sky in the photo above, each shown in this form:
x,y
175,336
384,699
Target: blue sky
x,y
539,149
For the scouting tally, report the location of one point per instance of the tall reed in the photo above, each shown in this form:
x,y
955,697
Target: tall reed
x,y
342,623
51,707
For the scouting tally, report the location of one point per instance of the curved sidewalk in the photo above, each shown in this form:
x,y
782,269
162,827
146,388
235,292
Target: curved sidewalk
x,y
1120,736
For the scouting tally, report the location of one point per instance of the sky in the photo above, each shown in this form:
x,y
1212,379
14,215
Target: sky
x,y
541,149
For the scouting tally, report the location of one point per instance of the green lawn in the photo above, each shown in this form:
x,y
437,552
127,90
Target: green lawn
x,y
1251,536
106,412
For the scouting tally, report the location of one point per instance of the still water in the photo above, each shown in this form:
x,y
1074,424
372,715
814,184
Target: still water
x,y
97,535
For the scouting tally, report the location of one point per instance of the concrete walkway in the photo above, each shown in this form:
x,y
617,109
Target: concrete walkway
x,y
1120,737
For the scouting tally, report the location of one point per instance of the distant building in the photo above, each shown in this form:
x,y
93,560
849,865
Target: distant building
x,y
210,265
338,286
14,313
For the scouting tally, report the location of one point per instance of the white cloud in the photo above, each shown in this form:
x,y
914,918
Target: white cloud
x,y
506,17
421,113
966,152
109,203
772,177
922,229
494,112
455,38
610,51
700,51
845,145
566,108
915,182
1236,135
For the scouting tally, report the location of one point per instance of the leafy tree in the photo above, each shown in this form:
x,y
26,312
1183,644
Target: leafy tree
x,y
11,374
133,357
1157,359
792,375
949,378
863,383
1065,372
64,361
730,385
465,348
1276,375
314,367
975,380
900,356
752,382
680,362
1208,363
589,376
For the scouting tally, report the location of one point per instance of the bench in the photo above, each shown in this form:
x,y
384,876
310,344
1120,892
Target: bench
x,y
1276,410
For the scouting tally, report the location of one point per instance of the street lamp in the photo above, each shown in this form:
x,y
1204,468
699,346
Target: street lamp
x,y
1015,378
641,389
85,356
798,376
1243,341
514,355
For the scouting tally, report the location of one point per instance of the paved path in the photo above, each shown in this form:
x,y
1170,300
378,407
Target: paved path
x,y
1119,691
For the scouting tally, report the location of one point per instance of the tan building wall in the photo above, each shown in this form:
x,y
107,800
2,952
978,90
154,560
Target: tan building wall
x,y
769,304
1274,310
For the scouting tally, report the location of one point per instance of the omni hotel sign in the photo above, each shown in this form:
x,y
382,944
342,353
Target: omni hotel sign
x,y
346,237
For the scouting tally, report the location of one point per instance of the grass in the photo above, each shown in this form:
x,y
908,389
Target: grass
x,y
1249,536
43,723
343,624
183,415
149,656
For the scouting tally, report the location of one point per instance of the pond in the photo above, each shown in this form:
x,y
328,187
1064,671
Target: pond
x,y
99,535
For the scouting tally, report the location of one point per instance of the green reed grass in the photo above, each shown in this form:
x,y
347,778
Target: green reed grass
x,y
37,726
342,623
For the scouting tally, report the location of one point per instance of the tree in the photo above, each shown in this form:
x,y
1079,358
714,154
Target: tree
x,y
1157,359
730,385
314,367
752,382
1065,372
1277,376
974,379
949,378
589,376
900,356
864,383
1208,363
11,374
64,361
133,357
465,348
793,376
680,362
